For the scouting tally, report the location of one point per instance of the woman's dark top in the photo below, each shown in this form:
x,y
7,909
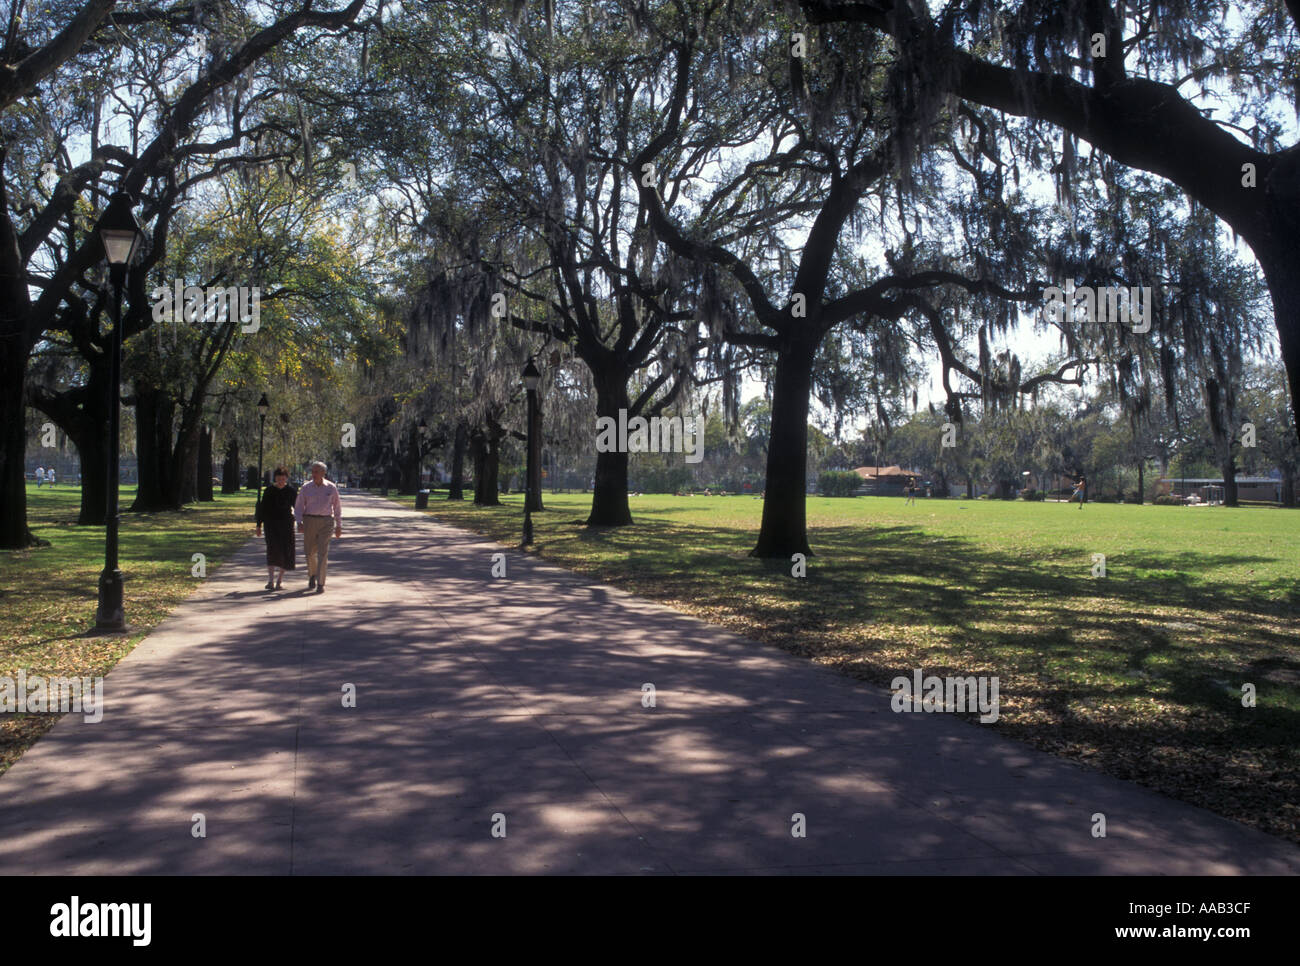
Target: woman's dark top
x,y
277,504
275,512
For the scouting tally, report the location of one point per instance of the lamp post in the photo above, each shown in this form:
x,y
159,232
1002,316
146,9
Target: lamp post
x,y
531,379
423,429
121,236
263,407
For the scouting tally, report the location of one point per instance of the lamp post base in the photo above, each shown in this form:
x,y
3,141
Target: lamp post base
x,y
110,616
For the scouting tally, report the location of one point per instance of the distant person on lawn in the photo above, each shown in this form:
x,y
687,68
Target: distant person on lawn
x,y
49,476
40,477
317,505
1080,490
275,512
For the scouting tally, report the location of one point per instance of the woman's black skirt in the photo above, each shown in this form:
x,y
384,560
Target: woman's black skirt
x,y
280,544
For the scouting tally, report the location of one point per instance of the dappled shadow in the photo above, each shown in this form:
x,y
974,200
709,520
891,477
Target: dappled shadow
x,y
1118,670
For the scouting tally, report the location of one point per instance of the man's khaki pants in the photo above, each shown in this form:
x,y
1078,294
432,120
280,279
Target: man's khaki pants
x,y
316,533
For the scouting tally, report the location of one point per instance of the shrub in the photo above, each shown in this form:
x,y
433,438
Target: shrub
x,y
667,479
1168,499
838,483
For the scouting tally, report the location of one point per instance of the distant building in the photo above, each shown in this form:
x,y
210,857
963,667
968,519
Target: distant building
x,y
886,480
67,464
1254,489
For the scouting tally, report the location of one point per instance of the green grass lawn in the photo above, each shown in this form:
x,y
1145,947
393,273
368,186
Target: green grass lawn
x,y
1139,673
48,594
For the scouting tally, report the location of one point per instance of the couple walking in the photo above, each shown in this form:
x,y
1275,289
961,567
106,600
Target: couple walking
x,y
313,508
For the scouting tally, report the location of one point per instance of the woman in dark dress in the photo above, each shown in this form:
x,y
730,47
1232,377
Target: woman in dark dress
x,y
275,512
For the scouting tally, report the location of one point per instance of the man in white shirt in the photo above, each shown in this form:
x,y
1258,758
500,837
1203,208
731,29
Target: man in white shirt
x,y
317,505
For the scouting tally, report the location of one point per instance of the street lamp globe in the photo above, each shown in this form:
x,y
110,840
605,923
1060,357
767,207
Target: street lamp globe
x,y
119,231
531,376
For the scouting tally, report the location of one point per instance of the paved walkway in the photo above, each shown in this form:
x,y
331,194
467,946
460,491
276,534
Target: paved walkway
x,y
521,699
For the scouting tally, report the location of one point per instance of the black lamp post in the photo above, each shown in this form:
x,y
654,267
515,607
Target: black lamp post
x,y
423,430
121,236
531,379
263,407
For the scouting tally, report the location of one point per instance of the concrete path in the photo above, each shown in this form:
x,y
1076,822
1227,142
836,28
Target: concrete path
x,y
518,702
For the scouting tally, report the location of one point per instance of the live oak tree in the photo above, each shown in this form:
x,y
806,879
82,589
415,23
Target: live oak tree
x,y
548,111
1190,91
458,361
1206,314
253,229
464,355
73,310
1224,329
1263,401
837,156
51,247
32,56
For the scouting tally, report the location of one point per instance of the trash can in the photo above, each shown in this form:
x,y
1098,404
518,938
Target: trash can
x,y
422,500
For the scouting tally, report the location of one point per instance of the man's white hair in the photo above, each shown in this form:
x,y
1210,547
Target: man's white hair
x,y
316,463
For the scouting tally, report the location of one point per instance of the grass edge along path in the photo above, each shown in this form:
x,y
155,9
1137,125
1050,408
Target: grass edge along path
x,y
48,595
1138,675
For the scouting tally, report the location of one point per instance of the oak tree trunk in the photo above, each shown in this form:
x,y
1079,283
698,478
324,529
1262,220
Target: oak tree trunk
x,y
456,489
784,530
609,505
1230,481
14,534
230,468
156,488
